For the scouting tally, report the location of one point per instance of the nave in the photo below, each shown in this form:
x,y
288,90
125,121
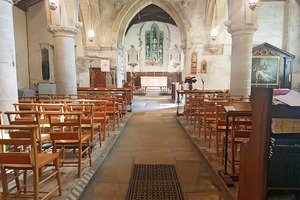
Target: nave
x,y
153,136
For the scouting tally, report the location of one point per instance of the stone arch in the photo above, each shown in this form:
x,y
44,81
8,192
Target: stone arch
x,y
131,9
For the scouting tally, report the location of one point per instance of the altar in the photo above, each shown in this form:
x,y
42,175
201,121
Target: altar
x,y
154,82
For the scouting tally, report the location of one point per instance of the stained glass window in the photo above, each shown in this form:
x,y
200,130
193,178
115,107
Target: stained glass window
x,y
154,46
148,58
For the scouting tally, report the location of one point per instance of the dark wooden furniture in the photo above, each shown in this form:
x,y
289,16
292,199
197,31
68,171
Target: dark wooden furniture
x,y
286,62
254,160
233,110
102,79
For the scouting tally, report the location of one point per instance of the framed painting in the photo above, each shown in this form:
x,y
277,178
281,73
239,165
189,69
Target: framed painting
x,y
203,66
265,70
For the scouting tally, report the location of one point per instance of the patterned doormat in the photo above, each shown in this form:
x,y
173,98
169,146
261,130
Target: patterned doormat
x,y
154,182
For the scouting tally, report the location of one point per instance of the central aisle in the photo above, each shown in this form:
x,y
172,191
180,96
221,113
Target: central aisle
x,y
153,136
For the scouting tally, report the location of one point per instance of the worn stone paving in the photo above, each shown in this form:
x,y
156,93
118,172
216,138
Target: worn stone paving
x,y
153,136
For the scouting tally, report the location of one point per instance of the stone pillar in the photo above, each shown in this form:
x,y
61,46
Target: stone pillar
x,y
241,58
8,75
64,59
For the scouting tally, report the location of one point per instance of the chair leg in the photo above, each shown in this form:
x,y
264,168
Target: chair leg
x,y
25,181
199,125
232,156
114,122
210,133
17,179
79,159
89,152
108,129
204,126
100,138
217,142
4,182
56,164
35,183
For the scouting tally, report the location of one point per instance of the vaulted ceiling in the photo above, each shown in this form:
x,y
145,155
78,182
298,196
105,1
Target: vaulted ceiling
x,y
151,13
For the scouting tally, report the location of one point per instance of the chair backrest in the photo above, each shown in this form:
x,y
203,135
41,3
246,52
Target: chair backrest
x,y
20,135
100,109
209,109
25,107
47,108
86,109
33,118
69,128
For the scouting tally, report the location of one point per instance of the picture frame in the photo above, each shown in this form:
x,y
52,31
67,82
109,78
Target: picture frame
x,y
265,70
203,68
105,65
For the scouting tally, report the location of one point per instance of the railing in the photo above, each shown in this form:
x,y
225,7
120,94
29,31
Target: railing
x,y
166,90
142,90
139,90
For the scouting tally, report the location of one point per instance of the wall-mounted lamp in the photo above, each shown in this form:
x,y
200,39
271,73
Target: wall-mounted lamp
x,y
91,35
214,34
253,4
53,4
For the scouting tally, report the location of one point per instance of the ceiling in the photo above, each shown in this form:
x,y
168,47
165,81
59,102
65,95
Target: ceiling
x,y
151,13
25,4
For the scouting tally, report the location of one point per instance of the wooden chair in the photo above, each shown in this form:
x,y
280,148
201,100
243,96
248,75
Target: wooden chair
x,y
217,128
208,117
69,132
25,135
87,123
15,118
240,133
100,115
112,109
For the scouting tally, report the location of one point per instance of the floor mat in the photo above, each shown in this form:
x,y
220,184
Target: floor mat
x,y
154,182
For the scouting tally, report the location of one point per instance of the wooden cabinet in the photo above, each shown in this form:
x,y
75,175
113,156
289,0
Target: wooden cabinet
x,y
102,79
266,50
256,167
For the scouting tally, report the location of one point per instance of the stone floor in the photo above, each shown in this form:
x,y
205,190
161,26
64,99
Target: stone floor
x,y
153,136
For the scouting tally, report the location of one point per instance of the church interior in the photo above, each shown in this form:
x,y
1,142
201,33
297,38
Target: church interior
x,y
150,99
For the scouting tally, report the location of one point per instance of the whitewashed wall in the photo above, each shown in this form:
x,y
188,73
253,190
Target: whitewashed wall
x,y
270,24
20,33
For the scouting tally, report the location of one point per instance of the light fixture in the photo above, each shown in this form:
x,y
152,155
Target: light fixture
x,y
53,4
214,34
253,4
91,35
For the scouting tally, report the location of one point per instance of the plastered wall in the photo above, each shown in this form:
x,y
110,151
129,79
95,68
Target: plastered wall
x,y
20,33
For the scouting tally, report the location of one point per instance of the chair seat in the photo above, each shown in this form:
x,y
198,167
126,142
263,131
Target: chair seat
x,y
42,160
84,138
101,118
45,137
220,128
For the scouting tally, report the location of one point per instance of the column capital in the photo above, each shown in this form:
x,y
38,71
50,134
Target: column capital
x,y
59,31
243,29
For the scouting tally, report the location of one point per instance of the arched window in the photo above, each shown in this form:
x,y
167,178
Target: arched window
x,y
154,46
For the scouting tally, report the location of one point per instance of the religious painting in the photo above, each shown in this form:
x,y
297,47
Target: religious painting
x,y
265,70
203,66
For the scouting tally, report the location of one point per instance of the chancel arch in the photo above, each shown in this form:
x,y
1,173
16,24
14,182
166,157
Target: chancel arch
x,y
127,13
